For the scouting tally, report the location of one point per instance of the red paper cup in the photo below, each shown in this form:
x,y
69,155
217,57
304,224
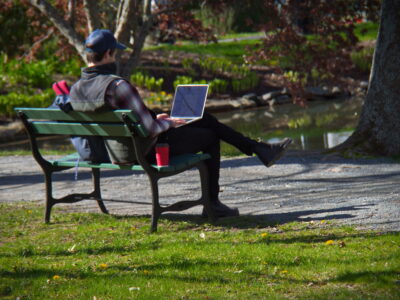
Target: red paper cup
x,y
162,155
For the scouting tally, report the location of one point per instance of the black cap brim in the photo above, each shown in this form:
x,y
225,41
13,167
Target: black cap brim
x,y
120,46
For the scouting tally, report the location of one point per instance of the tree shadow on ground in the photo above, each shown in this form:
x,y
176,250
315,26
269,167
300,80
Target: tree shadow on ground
x,y
274,219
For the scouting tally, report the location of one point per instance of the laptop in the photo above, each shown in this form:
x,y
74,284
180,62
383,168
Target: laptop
x,y
189,102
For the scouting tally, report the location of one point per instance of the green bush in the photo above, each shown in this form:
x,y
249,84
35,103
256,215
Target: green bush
x,y
363,59
243,78
182,80
37,74
14,99
146,81
218,86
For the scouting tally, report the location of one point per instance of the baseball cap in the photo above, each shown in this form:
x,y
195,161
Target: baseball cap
x,y
101,40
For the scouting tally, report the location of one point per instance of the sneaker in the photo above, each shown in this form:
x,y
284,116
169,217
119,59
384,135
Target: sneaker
x,y
270,153
221,211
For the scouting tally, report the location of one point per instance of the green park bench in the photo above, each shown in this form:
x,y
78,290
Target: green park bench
x,y
118,123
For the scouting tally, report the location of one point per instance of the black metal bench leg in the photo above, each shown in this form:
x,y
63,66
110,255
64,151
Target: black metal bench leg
x,y
49,195
205,190
97,191
156,209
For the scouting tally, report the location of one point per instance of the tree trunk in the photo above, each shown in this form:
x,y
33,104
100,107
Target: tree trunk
x,y
378,130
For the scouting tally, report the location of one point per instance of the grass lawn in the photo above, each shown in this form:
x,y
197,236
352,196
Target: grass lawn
x,y
97,256
230,50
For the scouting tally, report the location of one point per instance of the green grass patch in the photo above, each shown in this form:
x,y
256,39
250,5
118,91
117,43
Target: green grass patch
x,y
367,31
67,151
241,35
230,50
82,256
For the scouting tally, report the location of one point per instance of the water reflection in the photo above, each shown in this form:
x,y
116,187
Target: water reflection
x,y
321,125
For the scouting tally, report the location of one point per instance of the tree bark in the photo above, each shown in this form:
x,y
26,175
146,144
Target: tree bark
x,y
71,12
133,60
378,130
91,11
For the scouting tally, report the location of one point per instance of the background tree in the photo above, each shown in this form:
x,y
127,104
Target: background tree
x,y
310,41
131,21
378,130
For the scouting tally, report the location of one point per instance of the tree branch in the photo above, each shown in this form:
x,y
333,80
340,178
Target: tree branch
x,y
63,26
36,44
71,12
91,8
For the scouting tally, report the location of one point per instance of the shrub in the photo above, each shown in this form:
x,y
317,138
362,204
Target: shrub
x,y
182,80
37,74
363,59
148,82
14,99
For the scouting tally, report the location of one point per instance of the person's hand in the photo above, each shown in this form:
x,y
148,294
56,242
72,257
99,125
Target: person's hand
x,y
175,122
163,116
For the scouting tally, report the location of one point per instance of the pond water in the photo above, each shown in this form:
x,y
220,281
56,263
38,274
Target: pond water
x,y
319,126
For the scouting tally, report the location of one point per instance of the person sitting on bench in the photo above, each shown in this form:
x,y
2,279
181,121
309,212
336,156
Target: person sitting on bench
x,y
100,88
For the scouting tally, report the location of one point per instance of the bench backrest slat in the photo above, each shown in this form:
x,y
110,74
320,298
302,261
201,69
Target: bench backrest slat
x,y
106,122
80,129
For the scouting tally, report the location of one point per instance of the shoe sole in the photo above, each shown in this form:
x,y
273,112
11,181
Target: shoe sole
x,y
285,146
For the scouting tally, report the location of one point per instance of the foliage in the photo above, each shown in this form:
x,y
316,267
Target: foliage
x,y
308,35
35,74
366,31
87,256
33,99
185,80
161,98
15,27
146,81
240,76
362,59
221,22
216,86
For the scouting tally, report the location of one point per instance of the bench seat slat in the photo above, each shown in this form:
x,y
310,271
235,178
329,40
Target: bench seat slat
x,y
178,162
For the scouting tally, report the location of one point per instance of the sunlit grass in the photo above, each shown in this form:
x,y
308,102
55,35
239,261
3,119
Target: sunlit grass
x,y
366,31
230,50
82,256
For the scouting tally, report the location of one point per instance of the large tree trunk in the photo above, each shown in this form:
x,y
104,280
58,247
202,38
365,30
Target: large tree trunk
x,y
378,130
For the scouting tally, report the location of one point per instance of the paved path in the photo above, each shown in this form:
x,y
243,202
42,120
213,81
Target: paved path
x,y
302,186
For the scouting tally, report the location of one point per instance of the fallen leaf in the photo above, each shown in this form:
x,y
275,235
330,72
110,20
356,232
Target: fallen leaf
x,y
72,249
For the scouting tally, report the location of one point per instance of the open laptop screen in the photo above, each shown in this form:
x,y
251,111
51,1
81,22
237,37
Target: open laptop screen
x,y
189,101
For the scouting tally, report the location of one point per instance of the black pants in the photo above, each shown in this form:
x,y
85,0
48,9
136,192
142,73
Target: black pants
x,y
205,136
